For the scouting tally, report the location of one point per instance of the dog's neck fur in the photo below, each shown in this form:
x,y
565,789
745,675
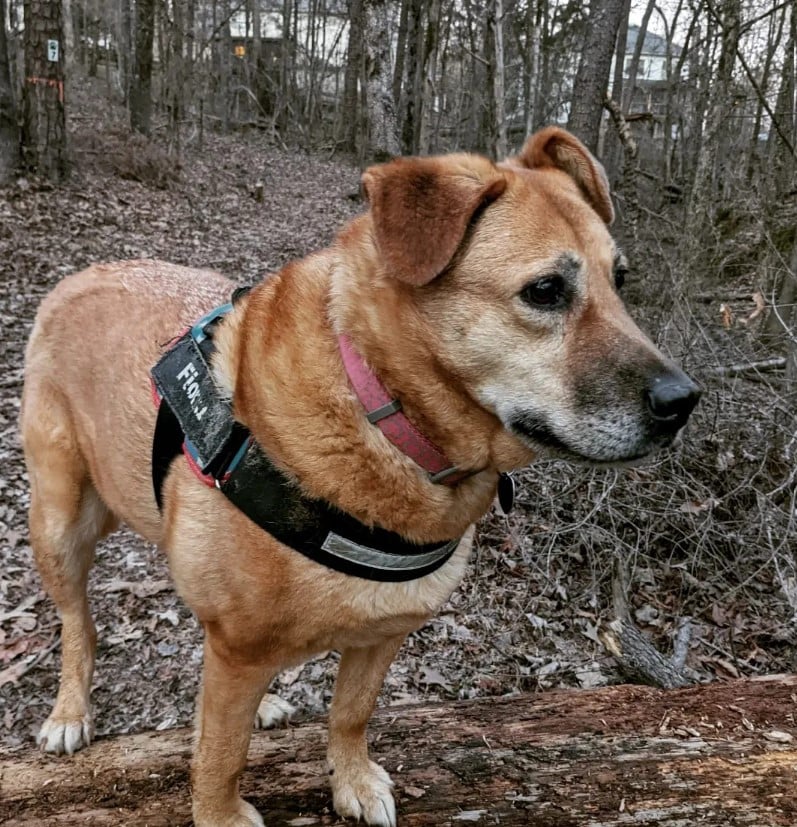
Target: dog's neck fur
x,y
313,435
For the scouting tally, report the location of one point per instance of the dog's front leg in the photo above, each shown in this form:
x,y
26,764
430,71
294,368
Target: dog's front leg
x,y
231,692
360,787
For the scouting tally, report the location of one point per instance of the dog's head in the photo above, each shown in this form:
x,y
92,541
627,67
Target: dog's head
x,y
514,278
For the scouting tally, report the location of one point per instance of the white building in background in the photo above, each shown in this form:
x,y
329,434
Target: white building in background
x,y
652,66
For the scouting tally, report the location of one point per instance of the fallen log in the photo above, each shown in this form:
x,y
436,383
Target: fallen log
x,y
716,755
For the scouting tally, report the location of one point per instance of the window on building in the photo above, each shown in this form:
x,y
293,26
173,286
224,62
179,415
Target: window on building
x,y
642,69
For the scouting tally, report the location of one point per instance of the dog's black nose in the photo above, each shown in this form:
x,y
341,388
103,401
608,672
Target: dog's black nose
x,y
671,397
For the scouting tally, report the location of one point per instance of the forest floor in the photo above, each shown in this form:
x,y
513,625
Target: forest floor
x,y
705,532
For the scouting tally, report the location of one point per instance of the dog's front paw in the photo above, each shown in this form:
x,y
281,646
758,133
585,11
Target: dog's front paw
x,y
243,815
65,735
273,712
365,796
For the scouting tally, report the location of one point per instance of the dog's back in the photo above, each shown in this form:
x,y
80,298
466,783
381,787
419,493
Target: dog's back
x,y
87,393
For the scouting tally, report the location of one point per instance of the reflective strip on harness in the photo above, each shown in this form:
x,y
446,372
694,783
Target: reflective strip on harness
x,y
373,558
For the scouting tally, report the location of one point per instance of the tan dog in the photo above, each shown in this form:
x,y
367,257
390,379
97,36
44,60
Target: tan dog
x,y
482,296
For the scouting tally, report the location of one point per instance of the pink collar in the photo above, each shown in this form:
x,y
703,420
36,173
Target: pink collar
x,y
385,412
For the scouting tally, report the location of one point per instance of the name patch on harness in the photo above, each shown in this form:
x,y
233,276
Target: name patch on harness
x,y
183,379
192,390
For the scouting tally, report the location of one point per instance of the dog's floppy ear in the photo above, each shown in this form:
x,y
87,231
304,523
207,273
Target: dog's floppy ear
x,y
421,208
553,147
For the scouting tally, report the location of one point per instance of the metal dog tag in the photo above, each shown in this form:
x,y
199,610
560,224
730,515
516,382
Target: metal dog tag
x,y
506,492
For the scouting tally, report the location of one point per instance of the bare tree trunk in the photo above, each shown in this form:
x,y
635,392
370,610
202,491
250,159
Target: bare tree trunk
x,y
141,85
633,69
785,169
531,61
310,61
69,39
486,113
411,98
256,57
443,82
429,70
9,131
175,99
677,101
350,114
401,49
592,78
787,318
383,140
225,98
631,208
612,150
783,161
500,143
44,139
80,32
773,40
124,49
702,200
672,80
190,34
93,32
791,340
700,78
287,62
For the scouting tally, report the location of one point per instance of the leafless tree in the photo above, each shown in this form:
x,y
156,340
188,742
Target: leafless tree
x,y
782,320
350,111
728,18
141,85
44,137
383,140
496,21
429,76
409,101
9,132
125,46
592,77
633,66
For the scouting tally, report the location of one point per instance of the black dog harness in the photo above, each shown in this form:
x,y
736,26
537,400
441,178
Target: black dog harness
x,y
194,419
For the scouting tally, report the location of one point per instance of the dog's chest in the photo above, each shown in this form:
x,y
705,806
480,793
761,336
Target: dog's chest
x,y
356,612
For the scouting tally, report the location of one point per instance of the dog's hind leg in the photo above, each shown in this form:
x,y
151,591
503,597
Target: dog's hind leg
x,y
361,789
67,517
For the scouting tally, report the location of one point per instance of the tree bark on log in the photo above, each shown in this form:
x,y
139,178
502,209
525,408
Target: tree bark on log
x,y
716,755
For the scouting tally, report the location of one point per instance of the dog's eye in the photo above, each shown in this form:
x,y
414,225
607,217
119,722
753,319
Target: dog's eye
x,y
620,274
545,292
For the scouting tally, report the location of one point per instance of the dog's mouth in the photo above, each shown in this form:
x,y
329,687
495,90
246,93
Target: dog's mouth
x,y
538,432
